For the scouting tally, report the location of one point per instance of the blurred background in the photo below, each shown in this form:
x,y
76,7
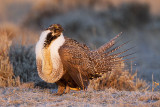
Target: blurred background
x,y
93,22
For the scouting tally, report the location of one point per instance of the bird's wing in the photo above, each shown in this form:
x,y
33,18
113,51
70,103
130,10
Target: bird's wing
x,y
76,62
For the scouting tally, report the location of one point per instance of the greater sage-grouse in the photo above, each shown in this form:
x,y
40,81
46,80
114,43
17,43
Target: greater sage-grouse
x,y
70,64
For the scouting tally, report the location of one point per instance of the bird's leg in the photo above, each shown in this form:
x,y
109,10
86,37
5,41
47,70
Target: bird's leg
x,y
61,88
81,78
67,89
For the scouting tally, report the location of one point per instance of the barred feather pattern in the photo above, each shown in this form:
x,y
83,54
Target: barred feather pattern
x,y
93,62
106,61
74,63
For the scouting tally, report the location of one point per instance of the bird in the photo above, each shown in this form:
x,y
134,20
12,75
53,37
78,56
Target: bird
x,y
71,64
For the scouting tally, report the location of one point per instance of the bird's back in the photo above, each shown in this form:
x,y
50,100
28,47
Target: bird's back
x,y
89,61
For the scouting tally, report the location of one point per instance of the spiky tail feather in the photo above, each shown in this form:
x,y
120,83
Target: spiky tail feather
x,y
106,60
108,45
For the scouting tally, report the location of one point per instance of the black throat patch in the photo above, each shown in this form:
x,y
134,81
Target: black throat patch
x,y
49,39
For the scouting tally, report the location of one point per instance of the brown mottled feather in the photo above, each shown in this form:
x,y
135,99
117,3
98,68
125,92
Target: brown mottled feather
x,y
74,57
82,64
78,63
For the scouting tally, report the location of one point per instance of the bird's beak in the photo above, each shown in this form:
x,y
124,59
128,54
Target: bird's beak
x,y
62,30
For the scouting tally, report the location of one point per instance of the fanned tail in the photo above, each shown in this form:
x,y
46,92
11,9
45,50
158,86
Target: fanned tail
x,y
110,60
116,48
108,45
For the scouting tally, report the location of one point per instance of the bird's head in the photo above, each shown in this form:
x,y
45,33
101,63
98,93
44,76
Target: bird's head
x,y
52,33
55,29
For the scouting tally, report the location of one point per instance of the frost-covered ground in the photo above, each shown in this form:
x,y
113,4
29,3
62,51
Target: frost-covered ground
x,y
21,97
93,23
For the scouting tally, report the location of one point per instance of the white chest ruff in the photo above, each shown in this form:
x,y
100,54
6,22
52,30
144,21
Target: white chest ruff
x,y
53,47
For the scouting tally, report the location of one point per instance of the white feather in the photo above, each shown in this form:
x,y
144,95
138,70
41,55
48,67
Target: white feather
x,y
54,47
40,44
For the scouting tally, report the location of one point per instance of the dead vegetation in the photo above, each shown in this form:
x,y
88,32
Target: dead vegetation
x,y
7,77
20,65
17,59
120,80
92,25
109,97
20,54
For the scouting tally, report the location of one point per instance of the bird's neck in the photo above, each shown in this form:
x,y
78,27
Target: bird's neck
x,y
51,58
57,43
49,55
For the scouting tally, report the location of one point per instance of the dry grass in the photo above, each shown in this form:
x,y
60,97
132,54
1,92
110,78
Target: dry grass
x,y
7,77
88,21
21,61
120,80
9,30
147,97
109,97
21,52
11,43
17,58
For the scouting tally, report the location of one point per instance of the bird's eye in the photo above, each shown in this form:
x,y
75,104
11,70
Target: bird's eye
x,y
55,30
